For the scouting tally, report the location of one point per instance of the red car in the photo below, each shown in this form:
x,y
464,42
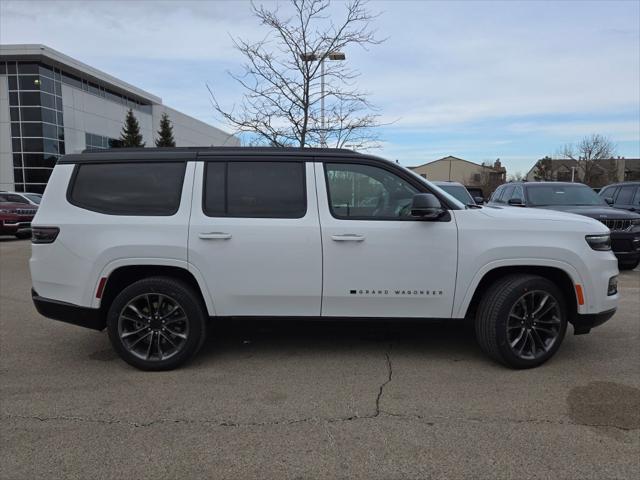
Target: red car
x,y
15,215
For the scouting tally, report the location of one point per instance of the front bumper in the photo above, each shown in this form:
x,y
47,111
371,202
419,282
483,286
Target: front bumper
x,y
583,323
68,312
626,245
8,227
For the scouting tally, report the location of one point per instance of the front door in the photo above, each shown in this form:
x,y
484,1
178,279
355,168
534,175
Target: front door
x,y
254,235
378,261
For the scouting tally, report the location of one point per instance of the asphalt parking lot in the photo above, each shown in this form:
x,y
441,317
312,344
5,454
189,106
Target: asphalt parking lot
x,y
282,400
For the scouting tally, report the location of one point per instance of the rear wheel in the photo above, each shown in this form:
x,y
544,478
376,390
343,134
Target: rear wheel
x,y
521,321
156,323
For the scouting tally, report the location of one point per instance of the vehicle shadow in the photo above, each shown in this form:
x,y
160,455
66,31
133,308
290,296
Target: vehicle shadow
x,y
11,238
454,339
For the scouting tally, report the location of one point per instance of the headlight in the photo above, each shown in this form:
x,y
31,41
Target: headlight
x,y
2,210
599,242
635,222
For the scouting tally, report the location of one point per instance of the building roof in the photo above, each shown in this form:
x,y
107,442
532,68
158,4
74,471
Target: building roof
x,y
451,157
631,164
42,53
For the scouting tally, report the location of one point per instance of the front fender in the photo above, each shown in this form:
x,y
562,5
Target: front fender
x,y
462,302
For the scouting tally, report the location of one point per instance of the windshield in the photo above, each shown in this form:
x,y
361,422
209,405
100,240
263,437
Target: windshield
x,y
549,194
447,195
34,197
459,192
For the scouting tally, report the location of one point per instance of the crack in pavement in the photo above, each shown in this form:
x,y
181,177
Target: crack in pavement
x,y
224,423
384,384
378,412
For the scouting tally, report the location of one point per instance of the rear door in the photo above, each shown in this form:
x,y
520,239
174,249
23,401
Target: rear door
x,y
254,236
378,260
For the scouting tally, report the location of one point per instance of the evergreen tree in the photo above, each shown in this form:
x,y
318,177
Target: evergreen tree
x,y
131,136
165,134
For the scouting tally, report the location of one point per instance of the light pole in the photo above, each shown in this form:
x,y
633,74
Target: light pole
x,y
312,57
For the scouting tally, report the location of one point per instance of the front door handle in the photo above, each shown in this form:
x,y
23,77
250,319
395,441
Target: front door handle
x,y
215,236
348,237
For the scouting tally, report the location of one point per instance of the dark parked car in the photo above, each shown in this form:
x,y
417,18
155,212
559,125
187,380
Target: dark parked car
x,y
16,214
623,195
459,192
476,193
582,200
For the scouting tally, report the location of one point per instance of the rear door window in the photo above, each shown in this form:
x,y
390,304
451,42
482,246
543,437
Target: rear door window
x,y
144,188
255,189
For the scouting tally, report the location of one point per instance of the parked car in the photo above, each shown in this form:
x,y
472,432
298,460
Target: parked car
x,y
9,222
32,198
476,193
460,192
15,217
624,195
151,244
578,198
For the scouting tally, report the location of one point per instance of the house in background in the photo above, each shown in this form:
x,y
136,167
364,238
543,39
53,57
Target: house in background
x,y
468,173
597,174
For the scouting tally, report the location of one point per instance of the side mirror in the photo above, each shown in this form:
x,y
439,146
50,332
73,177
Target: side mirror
x,y
517,202
426,206
609,200
478,200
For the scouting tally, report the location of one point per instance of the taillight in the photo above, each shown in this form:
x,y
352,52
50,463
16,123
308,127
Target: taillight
x,y
44,234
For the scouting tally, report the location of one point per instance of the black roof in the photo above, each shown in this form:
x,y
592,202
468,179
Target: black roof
x,y
195,153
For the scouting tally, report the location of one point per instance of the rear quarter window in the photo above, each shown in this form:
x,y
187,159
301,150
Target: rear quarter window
x,y
145,188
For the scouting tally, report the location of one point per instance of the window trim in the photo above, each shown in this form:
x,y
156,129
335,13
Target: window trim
x,y
74,176
419,187
301,161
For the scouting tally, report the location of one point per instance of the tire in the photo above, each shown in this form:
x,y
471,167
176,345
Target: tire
x,y
23,235
628,265
157,323
502,319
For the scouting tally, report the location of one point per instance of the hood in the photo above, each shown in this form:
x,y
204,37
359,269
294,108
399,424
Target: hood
x,y
532,213
595,211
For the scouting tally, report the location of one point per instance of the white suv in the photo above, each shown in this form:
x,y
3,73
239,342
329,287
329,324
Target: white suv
x,y
151,244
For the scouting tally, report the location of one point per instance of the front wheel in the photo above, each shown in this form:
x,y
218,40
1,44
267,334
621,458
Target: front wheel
x,y
156,323
521,320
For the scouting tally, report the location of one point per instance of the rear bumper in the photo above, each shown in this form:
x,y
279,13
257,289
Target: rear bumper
x,y
583,323
68,312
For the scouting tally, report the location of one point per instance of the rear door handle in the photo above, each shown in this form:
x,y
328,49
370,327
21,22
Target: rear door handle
x,y
348,237
215,236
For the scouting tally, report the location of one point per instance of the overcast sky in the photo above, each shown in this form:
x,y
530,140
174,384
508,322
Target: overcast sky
x,y
479,80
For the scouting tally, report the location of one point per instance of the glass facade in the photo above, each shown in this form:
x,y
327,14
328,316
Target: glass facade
x,y
100,142
37,124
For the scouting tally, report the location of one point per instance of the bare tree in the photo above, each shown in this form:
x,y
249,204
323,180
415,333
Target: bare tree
x,y
282,75
543,170
515,177
590,154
